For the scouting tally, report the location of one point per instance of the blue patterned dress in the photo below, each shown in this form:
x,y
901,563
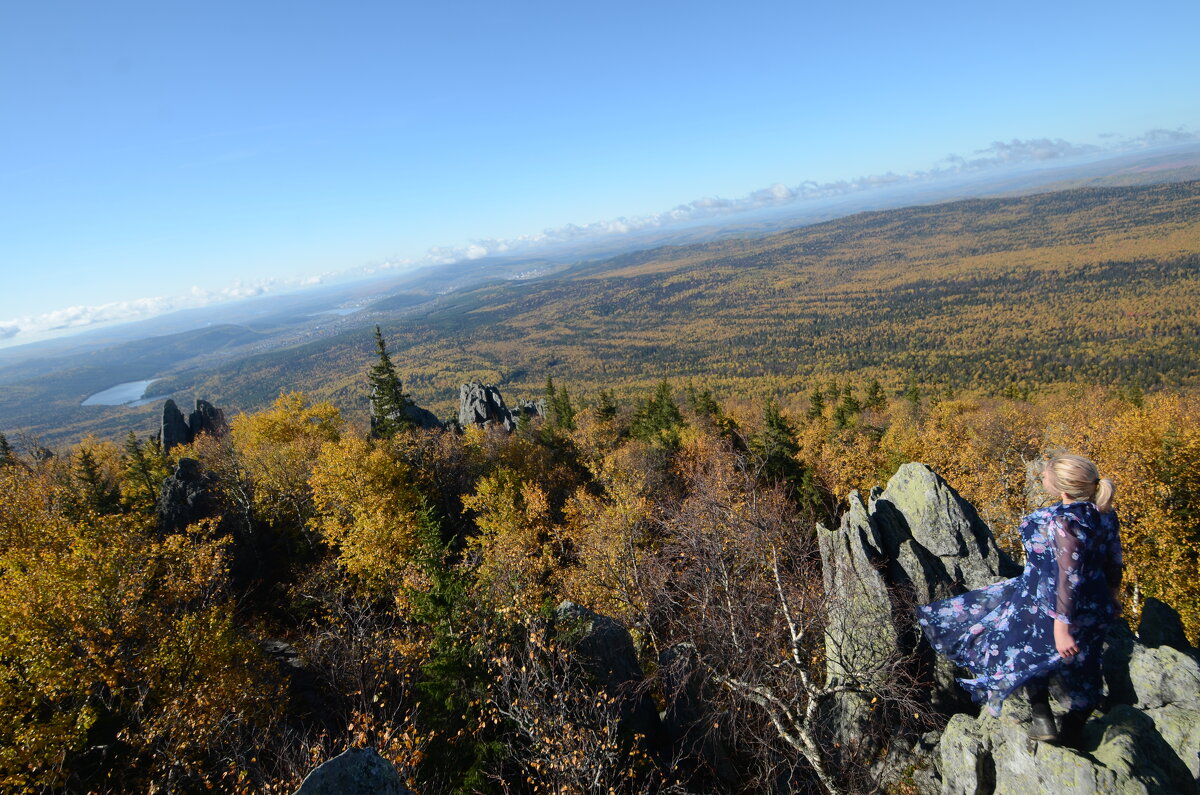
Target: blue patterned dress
x,y
1005,632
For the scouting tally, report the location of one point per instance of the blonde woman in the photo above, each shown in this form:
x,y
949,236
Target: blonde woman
x,y
1052,618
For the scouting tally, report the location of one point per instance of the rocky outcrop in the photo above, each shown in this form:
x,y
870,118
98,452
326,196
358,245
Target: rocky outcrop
x,y
605,648
206,418
358,771
917,541
688,719
186,497
914,542
482,404
175,430
412,414
1123,752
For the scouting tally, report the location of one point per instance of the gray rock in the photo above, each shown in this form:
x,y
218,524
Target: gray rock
x,y
206,418
175,430
688,718
481,404
994,755
1162,626
422,418
938,538
186,497
606,650
915,541
1163,676
860,635
358,771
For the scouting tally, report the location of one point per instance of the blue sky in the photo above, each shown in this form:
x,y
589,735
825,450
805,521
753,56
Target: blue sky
x,y
161,154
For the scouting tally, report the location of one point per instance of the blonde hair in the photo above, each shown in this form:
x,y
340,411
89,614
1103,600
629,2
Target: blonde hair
x,y
1079,479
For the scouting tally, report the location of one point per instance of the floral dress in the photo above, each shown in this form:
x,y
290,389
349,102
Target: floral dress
x,y
1005,632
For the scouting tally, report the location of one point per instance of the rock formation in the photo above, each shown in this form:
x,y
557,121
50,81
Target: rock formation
x,y
358,771
482,404
176,430
606,650
917,541
414,414
186,497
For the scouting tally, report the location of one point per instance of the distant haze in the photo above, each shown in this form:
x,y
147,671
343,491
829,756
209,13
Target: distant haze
x,y
161,156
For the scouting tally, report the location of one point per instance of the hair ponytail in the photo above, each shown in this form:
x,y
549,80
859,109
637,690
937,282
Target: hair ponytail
x,y
1078,479
1104,495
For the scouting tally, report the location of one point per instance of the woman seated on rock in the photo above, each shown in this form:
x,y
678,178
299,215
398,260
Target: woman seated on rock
x,y
1052,618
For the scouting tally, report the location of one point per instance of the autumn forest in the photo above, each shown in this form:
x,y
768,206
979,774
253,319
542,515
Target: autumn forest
x,y
703,409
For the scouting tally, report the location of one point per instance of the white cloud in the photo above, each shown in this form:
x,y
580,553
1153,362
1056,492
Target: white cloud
x,y
81,317
1032,151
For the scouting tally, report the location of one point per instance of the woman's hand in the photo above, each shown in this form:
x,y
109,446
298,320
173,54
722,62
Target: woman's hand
x,y
1063,641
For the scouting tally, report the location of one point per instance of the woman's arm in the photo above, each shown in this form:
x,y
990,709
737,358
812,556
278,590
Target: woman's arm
x,y
1068,554
1063,641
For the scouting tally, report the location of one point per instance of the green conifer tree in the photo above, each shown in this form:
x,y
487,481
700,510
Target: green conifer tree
x,y
96,494
777,452
658,419
606,406
144,471
876,399
389,403
7,456
816,404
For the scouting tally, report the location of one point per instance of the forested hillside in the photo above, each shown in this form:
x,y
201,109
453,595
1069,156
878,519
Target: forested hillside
x,y
231,613
1087,286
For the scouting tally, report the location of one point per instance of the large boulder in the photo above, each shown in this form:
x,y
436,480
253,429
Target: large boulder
x,y
206,418
914,542
1123,753
186,497
482,404
688,720
934,537
358,771
606,651
175,430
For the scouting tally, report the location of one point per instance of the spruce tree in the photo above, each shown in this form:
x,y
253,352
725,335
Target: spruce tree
x,y
777,451
95,493
6,452
560,413
606,406
816,404
658,419
389,403
876,399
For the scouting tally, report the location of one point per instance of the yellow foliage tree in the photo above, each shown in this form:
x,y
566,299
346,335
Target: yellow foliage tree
x,y
368,510
109,634
277,448
519,548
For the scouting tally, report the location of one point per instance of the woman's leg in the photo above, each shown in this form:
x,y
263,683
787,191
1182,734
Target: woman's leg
x,y
1042,726
1083,682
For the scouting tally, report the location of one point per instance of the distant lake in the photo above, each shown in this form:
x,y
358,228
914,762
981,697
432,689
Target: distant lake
x,y
129,393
